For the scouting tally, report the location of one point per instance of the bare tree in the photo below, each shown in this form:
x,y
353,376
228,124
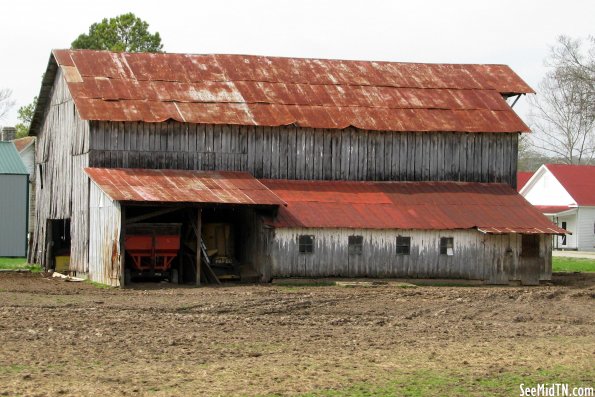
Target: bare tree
x,y
563,112
5,102
574,65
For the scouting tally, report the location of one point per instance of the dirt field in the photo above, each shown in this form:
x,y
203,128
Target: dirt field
x,y
62,339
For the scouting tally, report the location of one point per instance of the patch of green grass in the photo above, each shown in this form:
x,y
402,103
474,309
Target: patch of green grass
x,y
18,263
563,264
12,368
434,383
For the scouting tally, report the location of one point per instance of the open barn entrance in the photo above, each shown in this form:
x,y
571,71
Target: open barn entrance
x,y
58,245
161,217
160,244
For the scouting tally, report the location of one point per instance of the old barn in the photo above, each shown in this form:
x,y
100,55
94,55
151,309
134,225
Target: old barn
x,y
283,166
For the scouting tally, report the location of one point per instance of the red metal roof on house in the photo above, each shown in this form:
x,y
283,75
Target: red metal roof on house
x,y
578,180
175,186
553,209
271,91
492,208
522,177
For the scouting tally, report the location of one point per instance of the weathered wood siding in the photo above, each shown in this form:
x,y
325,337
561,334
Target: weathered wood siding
x,y
28,157
104,238
62,187
493,258
255,246
304,153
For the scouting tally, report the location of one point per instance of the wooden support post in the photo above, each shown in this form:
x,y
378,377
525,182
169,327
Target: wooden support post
x,y
198,242
122,249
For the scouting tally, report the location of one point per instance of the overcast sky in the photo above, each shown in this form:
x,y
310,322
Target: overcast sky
x,y
513,32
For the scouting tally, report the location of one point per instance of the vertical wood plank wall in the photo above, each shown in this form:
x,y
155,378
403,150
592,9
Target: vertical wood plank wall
x,y
494,258
62,187
104,238
305,153
255,246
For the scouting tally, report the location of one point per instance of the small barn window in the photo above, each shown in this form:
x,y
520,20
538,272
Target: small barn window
x,y
403,245
355,245
530,245
306,244
447,246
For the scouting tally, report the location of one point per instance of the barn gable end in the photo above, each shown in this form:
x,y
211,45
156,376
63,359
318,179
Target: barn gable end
x,y
62,188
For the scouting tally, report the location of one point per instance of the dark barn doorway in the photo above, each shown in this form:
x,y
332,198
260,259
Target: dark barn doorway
x,y
530,260
58,245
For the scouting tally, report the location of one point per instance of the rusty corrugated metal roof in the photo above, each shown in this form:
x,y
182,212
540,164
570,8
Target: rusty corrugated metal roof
x,y
493,208
271,91
176,186
23,143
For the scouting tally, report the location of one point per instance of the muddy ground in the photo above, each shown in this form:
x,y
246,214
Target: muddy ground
x,y
61,339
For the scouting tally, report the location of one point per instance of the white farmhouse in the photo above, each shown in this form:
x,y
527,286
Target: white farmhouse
x,y
566,194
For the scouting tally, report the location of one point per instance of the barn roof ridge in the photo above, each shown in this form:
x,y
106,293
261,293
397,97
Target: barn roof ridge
x,y
283,57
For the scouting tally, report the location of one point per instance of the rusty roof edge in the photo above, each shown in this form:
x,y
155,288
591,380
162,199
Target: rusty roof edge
x,y
296,123
290,57
27,145
43,97
90,173
529,90
91,177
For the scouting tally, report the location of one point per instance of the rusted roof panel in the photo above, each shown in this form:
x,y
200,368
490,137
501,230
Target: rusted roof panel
x,y
23,143
493,208
175,186
270,91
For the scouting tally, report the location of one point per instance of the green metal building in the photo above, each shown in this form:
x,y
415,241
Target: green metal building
x,y
14,199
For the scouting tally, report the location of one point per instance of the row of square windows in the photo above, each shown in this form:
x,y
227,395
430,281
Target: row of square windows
x,y
355,245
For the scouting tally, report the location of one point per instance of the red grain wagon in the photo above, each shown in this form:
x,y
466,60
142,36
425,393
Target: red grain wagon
x,y
152,247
